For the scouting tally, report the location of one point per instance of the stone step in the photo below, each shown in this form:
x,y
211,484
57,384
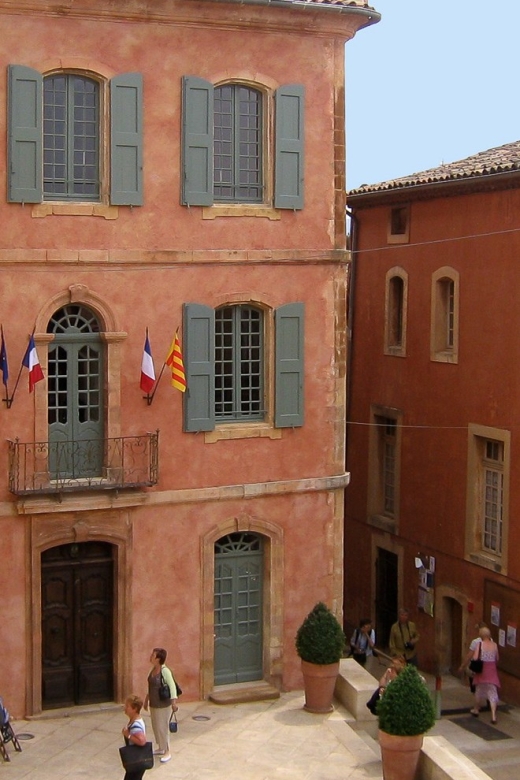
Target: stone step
x,y
240,693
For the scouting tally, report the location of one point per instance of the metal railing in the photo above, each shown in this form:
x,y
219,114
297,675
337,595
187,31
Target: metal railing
x,y
95,464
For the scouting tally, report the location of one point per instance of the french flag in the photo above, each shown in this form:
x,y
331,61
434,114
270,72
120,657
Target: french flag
x,y
32,362
147,368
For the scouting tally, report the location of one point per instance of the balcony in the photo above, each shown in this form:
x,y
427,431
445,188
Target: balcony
x,y
42,467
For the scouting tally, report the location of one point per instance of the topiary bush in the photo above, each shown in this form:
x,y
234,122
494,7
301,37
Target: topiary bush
x,y
406,707
320,638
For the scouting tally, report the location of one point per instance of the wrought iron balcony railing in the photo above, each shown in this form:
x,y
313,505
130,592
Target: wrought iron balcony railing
x,y
95,464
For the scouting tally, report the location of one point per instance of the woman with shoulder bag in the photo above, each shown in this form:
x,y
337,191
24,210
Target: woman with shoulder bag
x,y
134,732
486,682
162,701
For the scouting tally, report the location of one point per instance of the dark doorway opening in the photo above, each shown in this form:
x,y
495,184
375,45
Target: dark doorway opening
x,y
386,594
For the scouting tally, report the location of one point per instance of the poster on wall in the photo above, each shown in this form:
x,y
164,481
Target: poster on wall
x,y
511,634
495,613
501,637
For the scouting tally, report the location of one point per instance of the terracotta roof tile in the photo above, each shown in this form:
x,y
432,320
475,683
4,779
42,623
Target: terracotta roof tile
x,y
500,159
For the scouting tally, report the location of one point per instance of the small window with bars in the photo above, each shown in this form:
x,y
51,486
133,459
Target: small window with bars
x,y
239,380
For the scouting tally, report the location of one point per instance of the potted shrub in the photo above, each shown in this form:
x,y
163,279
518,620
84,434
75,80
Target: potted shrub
x,y
405,713
320,642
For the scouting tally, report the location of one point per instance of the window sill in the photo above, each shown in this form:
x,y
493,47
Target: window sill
x,y
239,210
398,238
481,559
395,351
242,431
445,356
383,522
61,208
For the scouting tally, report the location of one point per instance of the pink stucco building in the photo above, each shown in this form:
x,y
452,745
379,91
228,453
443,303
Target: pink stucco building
x,y
170,164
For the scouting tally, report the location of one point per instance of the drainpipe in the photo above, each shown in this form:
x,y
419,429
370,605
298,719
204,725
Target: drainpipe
x,y
351,299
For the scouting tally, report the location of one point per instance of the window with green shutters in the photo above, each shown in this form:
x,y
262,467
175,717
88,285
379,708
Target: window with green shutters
x,y
237,144
70,138
225,362
223,132
239,363
54,137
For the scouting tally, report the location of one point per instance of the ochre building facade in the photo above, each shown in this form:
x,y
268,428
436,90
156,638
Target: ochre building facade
x,y
170,165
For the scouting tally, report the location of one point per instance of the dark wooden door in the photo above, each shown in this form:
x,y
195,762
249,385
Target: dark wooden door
x,y
386,594
77,602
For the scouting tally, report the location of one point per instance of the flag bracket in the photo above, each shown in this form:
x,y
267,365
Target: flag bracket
x,y
8,402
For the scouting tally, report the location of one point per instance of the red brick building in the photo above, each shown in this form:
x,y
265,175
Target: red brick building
x,y
432,424
170,164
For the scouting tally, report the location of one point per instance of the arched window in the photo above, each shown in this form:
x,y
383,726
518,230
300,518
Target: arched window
x,y
395,311
445,316
237,144
71,135
239,369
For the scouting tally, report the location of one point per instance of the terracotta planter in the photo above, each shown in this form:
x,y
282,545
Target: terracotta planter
x,y
319,682
400,755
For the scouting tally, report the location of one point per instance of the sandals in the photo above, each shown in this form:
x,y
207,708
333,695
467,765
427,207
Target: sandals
x,y
474,713
494,722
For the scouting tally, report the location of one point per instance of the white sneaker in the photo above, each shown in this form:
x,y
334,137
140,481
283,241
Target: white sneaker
x,y
166,758
158,752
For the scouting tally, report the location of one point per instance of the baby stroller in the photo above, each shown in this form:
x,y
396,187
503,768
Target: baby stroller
x,y
6,733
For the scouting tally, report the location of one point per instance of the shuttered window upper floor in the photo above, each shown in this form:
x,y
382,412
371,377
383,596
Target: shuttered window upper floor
x,y
73,137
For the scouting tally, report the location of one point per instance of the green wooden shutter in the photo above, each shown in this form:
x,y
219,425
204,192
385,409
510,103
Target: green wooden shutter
x,y
126,140
199,364
25,143
289,322
197,142
289,145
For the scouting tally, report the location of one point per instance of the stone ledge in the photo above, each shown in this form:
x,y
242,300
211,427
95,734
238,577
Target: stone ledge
x,y
241,693
354,687
441,761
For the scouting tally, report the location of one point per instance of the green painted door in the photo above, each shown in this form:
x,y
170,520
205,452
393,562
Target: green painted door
x,y
238,608
75,398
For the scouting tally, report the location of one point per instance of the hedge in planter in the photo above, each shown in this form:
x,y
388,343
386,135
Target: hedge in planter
x,y
406,707
320,638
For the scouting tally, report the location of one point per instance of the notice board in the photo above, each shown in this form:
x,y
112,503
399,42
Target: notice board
x,y
502,615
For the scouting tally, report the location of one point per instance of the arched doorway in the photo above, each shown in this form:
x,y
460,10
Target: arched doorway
x,y
77,587
238,608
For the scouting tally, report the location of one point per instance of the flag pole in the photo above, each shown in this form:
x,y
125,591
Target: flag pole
x,y
7,401
20,371
149,398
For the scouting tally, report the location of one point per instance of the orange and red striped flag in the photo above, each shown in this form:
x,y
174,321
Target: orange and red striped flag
x,y
175,362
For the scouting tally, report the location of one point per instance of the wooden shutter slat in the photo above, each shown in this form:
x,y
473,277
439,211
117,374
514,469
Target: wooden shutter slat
x,y
199,364
197,142
25,143
289,144
126,140
289,365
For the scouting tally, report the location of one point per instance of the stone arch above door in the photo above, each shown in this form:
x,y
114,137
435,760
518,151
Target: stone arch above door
x,y
273,596
48,531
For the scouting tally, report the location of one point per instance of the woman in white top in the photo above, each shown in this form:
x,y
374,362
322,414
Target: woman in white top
x,y
134,732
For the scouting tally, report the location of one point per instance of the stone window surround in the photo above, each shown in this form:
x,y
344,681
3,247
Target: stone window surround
x,y
397,350
474,551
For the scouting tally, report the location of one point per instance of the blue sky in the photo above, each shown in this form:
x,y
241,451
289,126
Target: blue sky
x,y
434,81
